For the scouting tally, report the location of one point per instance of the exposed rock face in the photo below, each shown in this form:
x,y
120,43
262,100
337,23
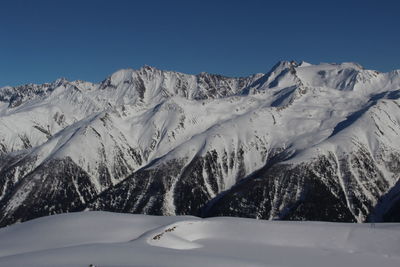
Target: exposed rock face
x,y
302,142
56,186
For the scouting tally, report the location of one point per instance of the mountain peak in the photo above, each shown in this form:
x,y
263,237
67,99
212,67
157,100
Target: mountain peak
x,y
148,67
60,81
285,64
351,65
304,64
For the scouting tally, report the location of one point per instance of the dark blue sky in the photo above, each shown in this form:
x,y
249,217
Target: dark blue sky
x,y
88,40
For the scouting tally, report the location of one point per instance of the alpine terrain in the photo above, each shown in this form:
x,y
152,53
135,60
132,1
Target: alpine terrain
x,y
301,142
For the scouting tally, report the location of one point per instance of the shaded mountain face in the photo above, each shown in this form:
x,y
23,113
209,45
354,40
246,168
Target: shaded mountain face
x,y
301,142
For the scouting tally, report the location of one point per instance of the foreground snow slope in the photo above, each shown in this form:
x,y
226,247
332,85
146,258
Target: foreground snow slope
x,y
112,239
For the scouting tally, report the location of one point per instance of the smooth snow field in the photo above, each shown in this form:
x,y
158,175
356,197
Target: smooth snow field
x,y
112,239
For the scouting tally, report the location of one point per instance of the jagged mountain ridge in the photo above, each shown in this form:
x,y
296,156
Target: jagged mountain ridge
x,y
317,142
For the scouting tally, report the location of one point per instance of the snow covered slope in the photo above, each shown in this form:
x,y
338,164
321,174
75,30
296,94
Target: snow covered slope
x,y
303,141
111,239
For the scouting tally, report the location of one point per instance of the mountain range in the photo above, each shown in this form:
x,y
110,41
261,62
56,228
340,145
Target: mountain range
x,y
300,142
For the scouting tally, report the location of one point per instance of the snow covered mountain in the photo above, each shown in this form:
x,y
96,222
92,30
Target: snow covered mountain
x,y
309,142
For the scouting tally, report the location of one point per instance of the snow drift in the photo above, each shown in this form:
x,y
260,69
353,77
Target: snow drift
x,y
110,239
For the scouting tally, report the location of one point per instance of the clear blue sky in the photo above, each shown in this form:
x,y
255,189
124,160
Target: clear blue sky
x,y
88,40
